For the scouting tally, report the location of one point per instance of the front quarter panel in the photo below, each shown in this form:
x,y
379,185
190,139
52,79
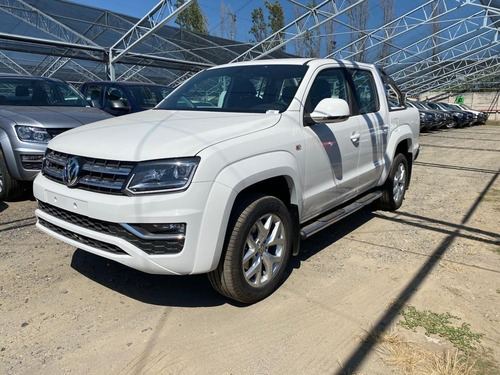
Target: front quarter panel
x,y
231,181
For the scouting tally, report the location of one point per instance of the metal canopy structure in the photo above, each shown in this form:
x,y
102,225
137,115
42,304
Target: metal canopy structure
x,y
425,45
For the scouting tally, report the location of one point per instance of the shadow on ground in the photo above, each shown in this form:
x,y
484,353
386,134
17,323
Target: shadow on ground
x,y
163,290
194,290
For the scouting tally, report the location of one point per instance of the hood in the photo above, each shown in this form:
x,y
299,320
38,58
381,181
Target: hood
x,y
53,117
159,134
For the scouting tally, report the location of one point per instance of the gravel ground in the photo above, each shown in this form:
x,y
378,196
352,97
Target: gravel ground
x,y
63,310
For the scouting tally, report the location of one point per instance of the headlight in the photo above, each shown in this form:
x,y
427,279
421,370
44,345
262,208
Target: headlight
x,y
162,176
32,134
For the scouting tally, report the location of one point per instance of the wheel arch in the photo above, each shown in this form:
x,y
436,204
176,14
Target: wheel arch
x,y
401,142
279,178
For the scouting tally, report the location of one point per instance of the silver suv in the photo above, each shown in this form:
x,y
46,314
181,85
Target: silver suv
x,y
33,110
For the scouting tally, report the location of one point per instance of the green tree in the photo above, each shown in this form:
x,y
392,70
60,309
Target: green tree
x,y
276,19
192,18
259,28
276,16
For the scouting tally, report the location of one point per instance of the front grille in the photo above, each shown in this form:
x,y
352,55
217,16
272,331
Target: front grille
x,y
82,239
148,246
56,131
99,175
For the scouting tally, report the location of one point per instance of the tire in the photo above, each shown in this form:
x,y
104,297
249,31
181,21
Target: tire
x,y
396,184
452,125
256,251
10,189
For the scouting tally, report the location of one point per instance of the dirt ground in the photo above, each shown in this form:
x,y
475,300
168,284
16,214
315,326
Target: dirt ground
x,y
63,310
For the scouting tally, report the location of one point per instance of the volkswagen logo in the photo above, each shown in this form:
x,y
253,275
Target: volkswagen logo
x,y
71,172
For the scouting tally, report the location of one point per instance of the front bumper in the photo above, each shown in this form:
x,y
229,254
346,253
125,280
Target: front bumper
x,y
93,222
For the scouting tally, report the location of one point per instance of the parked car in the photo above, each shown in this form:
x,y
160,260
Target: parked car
x,y
460,118
33,110
480,117
229,172
120,98
444,118
428,118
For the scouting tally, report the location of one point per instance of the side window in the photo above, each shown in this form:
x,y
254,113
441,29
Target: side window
x,y
394,97
92,92
329,83
365,91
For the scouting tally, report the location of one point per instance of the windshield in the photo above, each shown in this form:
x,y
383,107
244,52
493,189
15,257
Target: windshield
x,y
149,96
241,88
35,92
447,106
418,105
435,106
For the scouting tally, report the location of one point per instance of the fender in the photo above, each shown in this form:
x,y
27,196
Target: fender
x,y
402,133
8,154
228,183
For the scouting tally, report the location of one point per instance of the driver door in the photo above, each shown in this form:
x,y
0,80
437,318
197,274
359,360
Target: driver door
x,y
332,150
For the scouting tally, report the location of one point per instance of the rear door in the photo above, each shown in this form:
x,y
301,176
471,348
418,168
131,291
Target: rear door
x,y
373,127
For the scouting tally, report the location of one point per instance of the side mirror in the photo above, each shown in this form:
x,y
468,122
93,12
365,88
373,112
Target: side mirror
x,y
119,105
331,110
95,103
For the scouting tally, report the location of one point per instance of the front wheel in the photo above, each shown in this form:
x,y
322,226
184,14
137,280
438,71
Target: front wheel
x,y
396,184
10,189
256,251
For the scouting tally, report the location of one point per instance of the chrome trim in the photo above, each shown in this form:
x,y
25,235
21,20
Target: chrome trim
x,y
145,235
102,169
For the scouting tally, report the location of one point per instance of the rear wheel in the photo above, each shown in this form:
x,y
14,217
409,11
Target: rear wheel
x,y
9,188
396,184
257,250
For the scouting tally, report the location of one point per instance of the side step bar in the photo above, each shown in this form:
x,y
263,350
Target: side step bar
x,y
333,217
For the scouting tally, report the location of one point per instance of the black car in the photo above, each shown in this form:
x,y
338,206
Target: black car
x,y
460,118
444,118
428,118
120,98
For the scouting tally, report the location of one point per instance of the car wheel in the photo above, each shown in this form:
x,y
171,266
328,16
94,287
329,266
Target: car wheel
x,y
396,184
256,251
9,188
452,124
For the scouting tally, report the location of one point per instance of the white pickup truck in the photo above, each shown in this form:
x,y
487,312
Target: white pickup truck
x,y
232,170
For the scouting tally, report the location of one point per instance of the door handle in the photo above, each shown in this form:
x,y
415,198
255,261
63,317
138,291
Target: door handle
x,y
355,136
385,128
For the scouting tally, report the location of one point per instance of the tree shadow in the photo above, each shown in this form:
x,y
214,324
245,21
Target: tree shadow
x,y
367,344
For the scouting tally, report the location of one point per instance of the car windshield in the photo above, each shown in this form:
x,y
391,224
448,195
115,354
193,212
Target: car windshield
x,y
426,106
240,88
436,106
456,107
419,106
149,96
36,92
447,106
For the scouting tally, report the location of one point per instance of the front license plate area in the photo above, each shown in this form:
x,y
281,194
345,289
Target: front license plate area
x,y
68,203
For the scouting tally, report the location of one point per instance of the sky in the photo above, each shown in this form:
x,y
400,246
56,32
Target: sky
x,y
211,8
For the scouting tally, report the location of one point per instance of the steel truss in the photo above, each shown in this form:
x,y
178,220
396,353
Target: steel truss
x,y
411,61
418,59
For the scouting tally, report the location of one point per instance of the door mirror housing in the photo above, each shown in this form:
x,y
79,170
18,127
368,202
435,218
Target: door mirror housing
x,y
119,105
331,110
